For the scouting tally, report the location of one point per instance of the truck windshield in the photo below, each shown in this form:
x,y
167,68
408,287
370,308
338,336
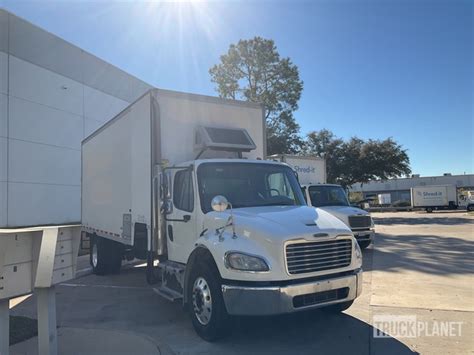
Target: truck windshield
x,y
324,195
248,185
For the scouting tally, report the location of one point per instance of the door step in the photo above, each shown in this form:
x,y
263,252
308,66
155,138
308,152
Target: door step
x,y
167,293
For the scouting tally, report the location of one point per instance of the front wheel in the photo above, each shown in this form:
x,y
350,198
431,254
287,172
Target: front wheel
x,y
206,304
364,244
470,208
429,210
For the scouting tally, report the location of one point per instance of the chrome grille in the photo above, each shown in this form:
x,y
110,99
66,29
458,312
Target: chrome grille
x,y
318,256
360,221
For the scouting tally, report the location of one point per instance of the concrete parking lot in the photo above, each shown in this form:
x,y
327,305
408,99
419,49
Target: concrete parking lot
x,y
420,267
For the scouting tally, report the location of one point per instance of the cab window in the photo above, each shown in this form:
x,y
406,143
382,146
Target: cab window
x,y
183,191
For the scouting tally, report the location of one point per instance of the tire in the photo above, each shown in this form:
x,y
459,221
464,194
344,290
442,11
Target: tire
x,y
206,304
338,307
115,256
429,209
105,256
364,244
470,208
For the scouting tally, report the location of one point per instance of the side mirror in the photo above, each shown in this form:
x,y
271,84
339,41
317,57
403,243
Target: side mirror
x,y
219,203
167,185
162,183
167,207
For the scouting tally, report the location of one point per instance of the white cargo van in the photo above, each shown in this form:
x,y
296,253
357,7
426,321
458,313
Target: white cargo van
x,y
431,198
177,179
311,172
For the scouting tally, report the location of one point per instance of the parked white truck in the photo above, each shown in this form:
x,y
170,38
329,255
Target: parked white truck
x,y
177,178
431,198
466,200
311,172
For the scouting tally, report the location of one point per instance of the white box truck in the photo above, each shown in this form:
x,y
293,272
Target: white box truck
x,y
384,199
431,198
311,172
178,178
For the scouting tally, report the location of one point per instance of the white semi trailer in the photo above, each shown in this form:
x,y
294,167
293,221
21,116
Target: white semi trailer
x,y
178,178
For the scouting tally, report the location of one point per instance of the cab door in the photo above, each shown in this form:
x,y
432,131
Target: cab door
x,y
181,221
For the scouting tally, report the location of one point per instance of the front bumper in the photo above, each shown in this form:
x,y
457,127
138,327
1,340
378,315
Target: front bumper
x,y
364,235
268,300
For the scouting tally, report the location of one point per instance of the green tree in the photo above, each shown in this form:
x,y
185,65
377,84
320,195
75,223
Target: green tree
x,y
356,160
253,70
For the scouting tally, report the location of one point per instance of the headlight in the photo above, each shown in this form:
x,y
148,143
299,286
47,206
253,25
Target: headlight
x,y
358,251
245,262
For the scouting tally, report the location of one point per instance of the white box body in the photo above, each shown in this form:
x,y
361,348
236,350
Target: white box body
x,y
311,170
433,196
384,199
117,165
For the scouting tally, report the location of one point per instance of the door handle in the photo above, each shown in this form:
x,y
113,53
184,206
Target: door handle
x,y
170,233
186,218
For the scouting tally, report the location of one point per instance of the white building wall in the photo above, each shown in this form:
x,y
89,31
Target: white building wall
x,y
52,95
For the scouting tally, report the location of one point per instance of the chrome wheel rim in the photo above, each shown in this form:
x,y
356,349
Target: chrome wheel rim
x,y
95,256
202,301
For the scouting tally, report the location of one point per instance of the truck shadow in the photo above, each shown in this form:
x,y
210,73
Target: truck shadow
x,y
308,333
430,254
119,302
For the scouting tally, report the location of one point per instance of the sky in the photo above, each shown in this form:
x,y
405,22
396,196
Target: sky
x,y
373,69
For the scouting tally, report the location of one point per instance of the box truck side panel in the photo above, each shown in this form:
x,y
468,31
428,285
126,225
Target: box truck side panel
x,y
116,174
452,193
180,116
430,196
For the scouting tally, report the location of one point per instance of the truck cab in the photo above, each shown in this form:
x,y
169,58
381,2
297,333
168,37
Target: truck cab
x,y
466,200
257,248
333,199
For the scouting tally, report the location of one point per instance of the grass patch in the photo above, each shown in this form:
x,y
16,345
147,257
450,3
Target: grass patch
x,y
22,328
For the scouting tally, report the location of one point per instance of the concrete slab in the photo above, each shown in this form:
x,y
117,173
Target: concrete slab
x,y
125,301
458,340
95,341
424,262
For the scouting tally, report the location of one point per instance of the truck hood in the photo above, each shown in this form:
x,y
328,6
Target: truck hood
x,y
343,212
282,222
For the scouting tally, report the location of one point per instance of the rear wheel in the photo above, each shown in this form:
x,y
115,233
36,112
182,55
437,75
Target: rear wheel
x,y
206,304
429,209
105,256
339,307
470,208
